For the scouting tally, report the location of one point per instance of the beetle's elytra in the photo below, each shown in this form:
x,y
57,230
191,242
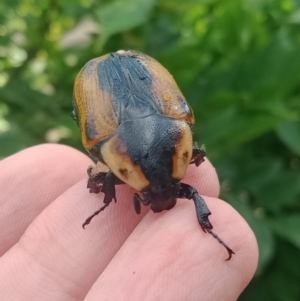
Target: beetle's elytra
x,y
134,119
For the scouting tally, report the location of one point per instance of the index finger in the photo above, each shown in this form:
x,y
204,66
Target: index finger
x,y
30,180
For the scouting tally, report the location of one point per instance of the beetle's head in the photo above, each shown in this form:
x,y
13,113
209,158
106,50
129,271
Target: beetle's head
x,y
161,197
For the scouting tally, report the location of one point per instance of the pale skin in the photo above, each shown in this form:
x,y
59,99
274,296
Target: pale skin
x,y
46,255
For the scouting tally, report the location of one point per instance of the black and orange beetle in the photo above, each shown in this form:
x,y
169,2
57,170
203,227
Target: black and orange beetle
x,y
134,119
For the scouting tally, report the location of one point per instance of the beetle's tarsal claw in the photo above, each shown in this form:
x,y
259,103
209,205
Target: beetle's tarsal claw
x,y
88,220
230,252
108,188
202,211
203,229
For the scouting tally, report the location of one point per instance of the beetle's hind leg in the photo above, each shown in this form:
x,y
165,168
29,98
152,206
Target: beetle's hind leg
x,y
198,154
187,191
108,181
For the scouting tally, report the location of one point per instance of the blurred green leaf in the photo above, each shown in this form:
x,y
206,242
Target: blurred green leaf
x,y
15,140
288,227
118,16
261,230
232,127
281,192
289,133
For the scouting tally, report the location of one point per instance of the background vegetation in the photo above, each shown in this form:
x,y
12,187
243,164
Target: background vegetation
x,y
236,61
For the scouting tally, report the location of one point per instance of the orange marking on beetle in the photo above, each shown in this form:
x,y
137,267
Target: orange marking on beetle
x,y
124,173
166,91
88,99
185,157
167,97
115,154
182,156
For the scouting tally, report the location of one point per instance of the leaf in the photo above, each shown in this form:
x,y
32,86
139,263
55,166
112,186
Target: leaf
x,y
288,227
280,192
261,230
14,140
260,75
289,134
230,128
119,15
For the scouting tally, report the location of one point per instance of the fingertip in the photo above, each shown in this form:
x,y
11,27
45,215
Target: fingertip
x,y
171,246
204,178
236,232
30,180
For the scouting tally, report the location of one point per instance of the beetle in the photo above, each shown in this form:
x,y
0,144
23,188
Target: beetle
x,y
134,119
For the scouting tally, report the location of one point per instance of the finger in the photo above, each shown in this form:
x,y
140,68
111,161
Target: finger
x,y
59,258
30,180
168,257
68,258
204,178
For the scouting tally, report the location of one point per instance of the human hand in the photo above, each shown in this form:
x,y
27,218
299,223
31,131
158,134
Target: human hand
x,y
46,255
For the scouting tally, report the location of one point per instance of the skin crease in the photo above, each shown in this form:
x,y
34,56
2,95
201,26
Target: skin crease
x,y
46,255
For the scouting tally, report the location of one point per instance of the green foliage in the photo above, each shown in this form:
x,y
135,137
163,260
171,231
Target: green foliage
x,y
236,61
115,17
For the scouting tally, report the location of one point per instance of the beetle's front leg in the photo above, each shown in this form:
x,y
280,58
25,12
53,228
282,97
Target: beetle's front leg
x,y
198,155
96,180
109,181
189,192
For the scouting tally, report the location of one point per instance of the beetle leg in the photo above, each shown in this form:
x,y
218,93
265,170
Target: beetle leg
x,y
137,203
202,211
198,155
88,220
96,180
108,188
188,192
